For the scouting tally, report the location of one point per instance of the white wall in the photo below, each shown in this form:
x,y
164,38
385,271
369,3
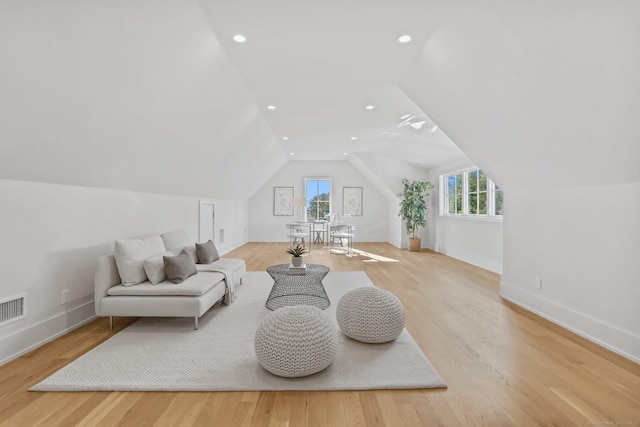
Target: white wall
x,y
51,235
370,227
386,173
548,107
584,243
476,241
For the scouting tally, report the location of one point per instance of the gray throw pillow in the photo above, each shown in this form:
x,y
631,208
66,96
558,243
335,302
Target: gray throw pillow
x,y
206,252
178,268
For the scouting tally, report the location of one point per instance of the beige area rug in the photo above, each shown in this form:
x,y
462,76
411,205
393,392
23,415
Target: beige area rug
x,y
166,354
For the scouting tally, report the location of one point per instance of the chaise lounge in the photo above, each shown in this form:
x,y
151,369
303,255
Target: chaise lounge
x,y
127,283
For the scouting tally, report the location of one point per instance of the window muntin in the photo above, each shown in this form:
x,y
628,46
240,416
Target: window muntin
x,y
471,193
477,192
318,195
498,205
454,194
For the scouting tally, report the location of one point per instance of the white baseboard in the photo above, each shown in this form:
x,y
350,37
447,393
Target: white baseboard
x,y
25,340
473,259
226,247
622,342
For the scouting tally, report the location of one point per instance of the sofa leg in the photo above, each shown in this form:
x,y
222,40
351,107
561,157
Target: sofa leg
x,y
111,323
196,323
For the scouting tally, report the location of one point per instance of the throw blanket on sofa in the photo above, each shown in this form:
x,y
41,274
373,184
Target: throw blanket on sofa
x,y
230,292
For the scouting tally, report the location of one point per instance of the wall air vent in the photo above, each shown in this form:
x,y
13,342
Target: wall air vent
x,y
13,308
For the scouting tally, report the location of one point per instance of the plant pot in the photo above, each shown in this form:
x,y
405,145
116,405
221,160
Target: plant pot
x,y
296,261
414,244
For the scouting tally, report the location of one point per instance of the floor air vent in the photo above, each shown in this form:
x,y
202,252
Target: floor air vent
x,y
12,309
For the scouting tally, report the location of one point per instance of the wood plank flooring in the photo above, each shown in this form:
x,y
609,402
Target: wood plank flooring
x,y
504,366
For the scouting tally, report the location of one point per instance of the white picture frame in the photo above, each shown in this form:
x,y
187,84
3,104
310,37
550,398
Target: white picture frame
x,y
352,201
283,201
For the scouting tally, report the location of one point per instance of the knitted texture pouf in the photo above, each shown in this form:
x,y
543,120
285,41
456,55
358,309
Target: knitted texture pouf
x,y
370,315
296,341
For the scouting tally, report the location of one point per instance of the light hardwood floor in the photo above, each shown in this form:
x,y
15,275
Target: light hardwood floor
x,y
503,365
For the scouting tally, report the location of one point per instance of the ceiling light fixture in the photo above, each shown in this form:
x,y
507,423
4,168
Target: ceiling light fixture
x,y
345,154
291,154
285,137
404,38
353,138
369,107
239,38
271,107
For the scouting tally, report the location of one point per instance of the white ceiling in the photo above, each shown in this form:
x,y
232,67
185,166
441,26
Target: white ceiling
x,y
321,63
155,96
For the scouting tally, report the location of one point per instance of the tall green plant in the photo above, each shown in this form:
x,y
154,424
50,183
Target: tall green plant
x,y
413,206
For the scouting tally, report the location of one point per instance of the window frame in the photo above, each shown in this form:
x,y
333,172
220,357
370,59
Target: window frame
x,y
320,178
465,212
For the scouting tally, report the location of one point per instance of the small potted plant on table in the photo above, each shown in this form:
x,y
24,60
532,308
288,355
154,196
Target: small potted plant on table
x,y
297,251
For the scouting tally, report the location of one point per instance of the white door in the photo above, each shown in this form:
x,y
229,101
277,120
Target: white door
x,y
207,221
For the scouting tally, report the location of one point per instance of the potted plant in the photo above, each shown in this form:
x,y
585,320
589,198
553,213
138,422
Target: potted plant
x,y
413,209
297,251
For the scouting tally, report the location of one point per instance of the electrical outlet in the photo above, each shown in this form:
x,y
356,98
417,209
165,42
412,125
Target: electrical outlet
x,y
538,283
64,297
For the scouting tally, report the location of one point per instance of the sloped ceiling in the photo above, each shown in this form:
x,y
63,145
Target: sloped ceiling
x,y
320,63
537,93
127,95
155,96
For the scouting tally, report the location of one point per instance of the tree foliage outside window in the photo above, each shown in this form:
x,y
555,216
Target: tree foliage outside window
x,y
318,194
477,192
454,194
498,208
471,193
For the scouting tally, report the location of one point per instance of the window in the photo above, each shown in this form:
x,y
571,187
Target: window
x,y
477,192
318,194
470,193
498,198
454,194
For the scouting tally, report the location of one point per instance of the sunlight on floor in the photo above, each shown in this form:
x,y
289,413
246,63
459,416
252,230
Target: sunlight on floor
x,y
374,257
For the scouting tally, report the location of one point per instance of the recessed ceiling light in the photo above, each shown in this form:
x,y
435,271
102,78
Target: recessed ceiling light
x,y
239,38
404,38
285,137
345,154
353,138
291,154
271,107
369,107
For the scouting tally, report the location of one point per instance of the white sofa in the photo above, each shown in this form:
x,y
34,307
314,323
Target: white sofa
x,y
191,298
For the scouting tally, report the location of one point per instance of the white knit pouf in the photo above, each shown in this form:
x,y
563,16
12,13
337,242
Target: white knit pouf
x,y
296,341
370,315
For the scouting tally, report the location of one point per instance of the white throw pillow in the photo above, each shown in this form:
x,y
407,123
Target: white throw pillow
x,y
154,267
176,240
130,255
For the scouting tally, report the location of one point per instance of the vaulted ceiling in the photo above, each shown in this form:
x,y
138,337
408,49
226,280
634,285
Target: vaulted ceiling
x,y
156,95
321,64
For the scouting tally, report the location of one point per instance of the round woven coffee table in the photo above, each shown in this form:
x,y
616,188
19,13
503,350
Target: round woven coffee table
x,y
298,289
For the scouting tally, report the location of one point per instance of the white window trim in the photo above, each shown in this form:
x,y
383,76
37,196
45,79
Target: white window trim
x,y
444,207
320,178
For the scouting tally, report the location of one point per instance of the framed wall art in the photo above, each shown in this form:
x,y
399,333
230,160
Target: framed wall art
x,y
283,201
352,201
